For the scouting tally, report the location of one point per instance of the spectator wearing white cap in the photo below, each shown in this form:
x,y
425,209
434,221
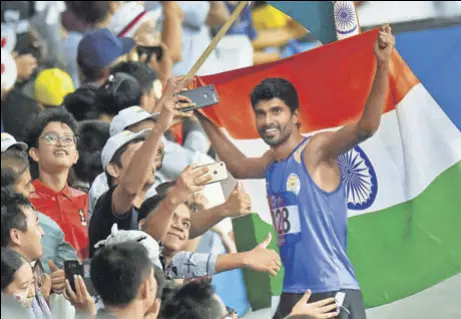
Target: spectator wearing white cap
x,y
128,160
175,157
9,142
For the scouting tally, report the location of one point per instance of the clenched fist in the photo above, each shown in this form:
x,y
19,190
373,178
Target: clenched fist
x,y
384,44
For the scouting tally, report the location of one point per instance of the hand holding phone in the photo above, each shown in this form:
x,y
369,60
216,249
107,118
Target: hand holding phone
x,y
195,99
73,268
149,51
79,296
217,171
202,97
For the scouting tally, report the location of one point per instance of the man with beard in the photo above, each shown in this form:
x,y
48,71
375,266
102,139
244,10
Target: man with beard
x,y
307,198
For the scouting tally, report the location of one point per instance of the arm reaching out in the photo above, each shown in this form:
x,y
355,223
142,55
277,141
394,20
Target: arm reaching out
x,y
237,204
258,259
328,146
237,163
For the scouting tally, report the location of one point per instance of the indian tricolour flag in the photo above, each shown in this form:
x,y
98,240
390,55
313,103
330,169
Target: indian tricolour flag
x,y
403,184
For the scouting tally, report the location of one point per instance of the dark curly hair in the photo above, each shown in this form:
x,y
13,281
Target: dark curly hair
x,y
37,124
276,88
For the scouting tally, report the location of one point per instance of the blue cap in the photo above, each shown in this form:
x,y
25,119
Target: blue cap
x,y
99,49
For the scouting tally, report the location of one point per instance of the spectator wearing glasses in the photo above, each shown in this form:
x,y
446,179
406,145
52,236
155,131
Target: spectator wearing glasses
x,y
52,141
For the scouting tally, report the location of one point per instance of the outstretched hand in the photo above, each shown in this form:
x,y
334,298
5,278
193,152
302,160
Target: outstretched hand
x,y
262,259
322,309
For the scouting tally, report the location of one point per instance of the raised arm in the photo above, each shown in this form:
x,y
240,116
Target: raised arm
x,y
218,15
135,177
328,146
237,163
172,29
140,167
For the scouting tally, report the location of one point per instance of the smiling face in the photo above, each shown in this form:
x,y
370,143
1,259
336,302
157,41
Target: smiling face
x,y
275,121
178,233
56,149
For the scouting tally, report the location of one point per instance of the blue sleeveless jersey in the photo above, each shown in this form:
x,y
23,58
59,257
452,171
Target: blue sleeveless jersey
x,y
311,225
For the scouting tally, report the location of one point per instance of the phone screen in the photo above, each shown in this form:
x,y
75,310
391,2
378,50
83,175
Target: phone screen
x,y
149,51
72,268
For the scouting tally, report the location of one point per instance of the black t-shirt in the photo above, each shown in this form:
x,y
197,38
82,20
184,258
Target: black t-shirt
x,y
103,218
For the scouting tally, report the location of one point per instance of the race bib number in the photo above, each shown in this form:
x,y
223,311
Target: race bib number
x,y
286,220
285,214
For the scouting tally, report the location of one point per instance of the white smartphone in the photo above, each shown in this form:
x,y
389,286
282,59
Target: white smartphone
x,y
339,299
218,172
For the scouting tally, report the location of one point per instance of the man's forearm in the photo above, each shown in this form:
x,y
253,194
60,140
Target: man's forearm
x,y
230,262
374,107
140,167
172,33
204,220
218,15
226,150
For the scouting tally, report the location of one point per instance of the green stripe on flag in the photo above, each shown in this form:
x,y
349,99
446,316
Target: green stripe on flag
x,y
396,252
404,249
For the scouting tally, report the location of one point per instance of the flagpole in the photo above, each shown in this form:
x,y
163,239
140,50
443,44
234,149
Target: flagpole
x,y
215,41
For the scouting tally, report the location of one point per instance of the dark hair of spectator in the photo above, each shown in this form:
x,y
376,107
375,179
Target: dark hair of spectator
x,y
149,205
193,301
117,272
12,214
14,164
120,91
83,103
93,135
11,262
38,123
91,74
276,88
92,12
140,71
170,288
